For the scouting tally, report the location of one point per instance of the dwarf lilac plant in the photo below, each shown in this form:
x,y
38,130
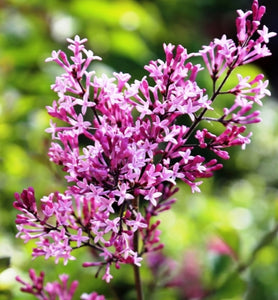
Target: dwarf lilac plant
x,y
123,148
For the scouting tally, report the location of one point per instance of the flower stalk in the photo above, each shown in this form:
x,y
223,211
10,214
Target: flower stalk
x,y
136,268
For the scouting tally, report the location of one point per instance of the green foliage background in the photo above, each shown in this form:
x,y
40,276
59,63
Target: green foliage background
x,y
239,205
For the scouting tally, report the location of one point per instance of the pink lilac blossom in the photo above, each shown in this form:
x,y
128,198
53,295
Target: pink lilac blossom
x,y
53,290
92,296
123,146
50,290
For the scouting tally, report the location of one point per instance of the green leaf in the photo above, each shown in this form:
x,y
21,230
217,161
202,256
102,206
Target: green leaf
x,y
231,237
221,263
4,263
233,287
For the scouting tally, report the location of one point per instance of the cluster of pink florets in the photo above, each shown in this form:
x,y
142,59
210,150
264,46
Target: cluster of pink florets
x,y
53,290
123,145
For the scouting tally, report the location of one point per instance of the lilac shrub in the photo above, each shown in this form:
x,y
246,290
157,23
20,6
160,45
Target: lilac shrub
x,y
123,148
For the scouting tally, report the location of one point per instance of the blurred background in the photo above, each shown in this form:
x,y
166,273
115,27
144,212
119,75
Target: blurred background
x,y
207,234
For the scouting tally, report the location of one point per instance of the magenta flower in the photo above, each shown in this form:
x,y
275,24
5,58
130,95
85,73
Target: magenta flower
x,y
123,146
50,291
53,290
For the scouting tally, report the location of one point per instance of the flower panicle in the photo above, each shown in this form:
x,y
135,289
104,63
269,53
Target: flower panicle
x,y
124,146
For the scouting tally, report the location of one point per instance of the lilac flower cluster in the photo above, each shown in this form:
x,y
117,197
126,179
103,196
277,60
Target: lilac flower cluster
x,y
123,145
55,289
